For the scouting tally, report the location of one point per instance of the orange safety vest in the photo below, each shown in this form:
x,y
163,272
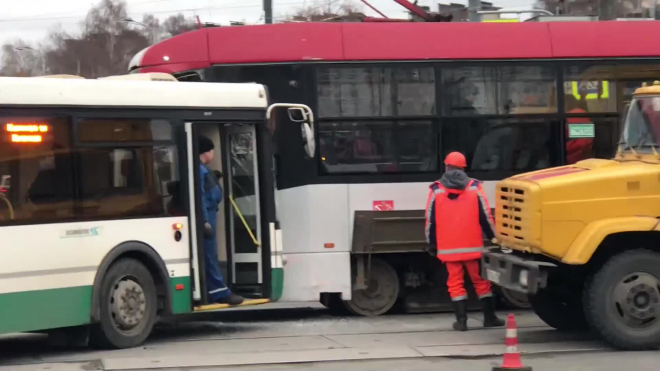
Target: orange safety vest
x,y
457,229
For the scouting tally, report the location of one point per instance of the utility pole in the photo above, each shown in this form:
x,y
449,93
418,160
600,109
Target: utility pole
x,y
268,11
474,6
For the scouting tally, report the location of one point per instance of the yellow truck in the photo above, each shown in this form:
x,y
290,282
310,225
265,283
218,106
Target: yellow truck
x,y
583,241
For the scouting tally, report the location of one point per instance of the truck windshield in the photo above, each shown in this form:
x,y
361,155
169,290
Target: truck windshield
x,y
642,127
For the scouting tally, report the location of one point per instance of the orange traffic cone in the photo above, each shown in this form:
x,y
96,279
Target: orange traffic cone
x,y
511,359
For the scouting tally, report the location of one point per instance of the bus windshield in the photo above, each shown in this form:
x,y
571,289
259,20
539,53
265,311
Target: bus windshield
x,y
642,127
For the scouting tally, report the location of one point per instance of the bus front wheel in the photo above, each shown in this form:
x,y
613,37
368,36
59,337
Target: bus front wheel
x,y
128,305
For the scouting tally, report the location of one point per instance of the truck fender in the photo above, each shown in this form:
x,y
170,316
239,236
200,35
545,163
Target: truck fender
x,y
584,246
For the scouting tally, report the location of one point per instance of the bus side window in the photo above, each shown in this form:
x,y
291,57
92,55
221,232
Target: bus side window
x,y
41,172
126,167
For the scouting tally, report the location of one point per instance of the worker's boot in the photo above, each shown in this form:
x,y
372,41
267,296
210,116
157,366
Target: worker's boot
x,y
460,309
490,319
231,299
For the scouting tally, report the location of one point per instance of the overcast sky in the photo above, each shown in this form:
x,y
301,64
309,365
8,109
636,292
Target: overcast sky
x,y
32,19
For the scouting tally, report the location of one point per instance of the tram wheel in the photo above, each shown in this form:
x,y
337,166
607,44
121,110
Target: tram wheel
x,y
381,293
128,306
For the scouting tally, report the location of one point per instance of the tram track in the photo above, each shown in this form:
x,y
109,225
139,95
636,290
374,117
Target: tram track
x,y
308,329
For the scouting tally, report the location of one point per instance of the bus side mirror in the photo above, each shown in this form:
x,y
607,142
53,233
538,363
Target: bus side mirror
x,y
308,138
299,113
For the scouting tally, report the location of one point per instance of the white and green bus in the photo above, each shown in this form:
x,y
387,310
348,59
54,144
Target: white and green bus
x,y
100,222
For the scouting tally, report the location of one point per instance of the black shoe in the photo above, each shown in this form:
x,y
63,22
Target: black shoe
x,y
490,319
232,299
460,309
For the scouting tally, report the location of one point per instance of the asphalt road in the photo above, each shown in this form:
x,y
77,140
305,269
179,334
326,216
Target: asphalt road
x,y
283,337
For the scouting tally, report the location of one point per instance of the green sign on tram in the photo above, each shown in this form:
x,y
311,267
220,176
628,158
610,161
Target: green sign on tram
x,y
581,131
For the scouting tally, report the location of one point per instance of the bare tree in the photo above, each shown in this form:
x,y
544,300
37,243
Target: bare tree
x,y
153,30
178,24
105,47
22,59
328,10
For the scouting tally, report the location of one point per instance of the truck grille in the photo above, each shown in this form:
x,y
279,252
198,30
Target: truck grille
x,y
512,216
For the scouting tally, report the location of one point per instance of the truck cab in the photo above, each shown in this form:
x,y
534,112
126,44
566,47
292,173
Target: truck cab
x,y
583,241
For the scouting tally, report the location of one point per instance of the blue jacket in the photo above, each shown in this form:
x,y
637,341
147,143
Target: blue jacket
x,y
211,195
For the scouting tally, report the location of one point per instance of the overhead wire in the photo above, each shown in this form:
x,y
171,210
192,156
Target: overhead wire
x,y
243,6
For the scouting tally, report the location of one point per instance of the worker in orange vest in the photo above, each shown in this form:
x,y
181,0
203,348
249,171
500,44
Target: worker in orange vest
x,y
457,218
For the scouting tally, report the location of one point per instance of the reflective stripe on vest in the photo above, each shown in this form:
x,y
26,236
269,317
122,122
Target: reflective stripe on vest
x,y
427,225
461,250
458,231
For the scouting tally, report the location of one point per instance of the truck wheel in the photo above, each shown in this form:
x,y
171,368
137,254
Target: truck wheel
x,y
512,299
128,304
622,300
381,293
558,310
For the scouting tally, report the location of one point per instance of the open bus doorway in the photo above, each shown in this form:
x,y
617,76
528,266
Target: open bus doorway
x,y
237,222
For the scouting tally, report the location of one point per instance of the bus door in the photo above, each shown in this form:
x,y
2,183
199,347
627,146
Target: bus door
x,y
237,233
244,215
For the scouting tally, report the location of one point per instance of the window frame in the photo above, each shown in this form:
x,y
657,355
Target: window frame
x,y
177,117
437,121
396,154
440,119
383,65
77,122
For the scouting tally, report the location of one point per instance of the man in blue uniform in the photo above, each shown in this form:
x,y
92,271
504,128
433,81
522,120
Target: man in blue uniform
x,y
211,197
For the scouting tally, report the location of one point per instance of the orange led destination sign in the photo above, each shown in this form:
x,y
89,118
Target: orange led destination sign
x,y
26,128
18,138
26,133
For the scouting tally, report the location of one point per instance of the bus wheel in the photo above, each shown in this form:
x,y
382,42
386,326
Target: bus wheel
x,y
622,300
381,293
127,306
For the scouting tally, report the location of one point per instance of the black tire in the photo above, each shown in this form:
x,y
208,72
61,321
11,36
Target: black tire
x,y
382,293
511,299
560,310
132,278
335,305
611,300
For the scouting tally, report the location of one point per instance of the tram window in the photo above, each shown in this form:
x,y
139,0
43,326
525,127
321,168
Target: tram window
x,y
470,91
509,145
376,91
119,130
40,165
590,88
633,76
377,147
601,145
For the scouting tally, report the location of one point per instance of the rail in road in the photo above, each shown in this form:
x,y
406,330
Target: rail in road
x,y
294,335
